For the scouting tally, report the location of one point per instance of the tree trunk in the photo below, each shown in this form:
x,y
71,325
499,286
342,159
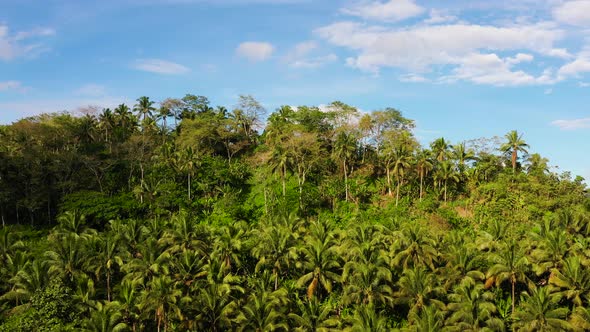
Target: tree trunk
x,y
345,180
445,189
421,185
513,282
189,186
108,286
284,179
514,157
397,191
389,182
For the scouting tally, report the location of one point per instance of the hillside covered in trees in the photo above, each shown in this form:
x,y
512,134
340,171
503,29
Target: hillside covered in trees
x,y
180,216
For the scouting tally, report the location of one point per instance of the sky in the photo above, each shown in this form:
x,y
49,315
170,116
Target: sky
x,y
462,69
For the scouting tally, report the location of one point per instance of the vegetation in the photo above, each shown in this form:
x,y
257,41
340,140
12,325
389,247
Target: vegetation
x,y
178,216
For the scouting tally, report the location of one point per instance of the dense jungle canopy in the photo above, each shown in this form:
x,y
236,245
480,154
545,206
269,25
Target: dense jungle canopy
x,y
180,216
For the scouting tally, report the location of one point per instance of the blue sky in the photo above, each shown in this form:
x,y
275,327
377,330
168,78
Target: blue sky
x,y
462,69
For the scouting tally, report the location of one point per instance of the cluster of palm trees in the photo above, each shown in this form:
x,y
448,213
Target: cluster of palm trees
x,y
287,273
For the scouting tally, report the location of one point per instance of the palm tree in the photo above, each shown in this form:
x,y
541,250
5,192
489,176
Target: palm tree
x,y
540,312
276,248
344,150
161,298
128,299
415,247
229,244
510,264
215,305
401,161
418,288
163,114
429,319
311,315
472,308
573,279
190,162
580,319
367,319
440,149
67,257
461,154
320,260
279,163
144,108
263,311
105,318
445,173
514,145
105,260
423,166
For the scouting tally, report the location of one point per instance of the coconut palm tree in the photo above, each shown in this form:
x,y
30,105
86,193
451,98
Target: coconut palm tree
x,y
276,248
263,311
418,288
513,146
511,265
367,319
105,318
540,312
573,280
144,108
472,308
312,315
440,149
423,166
445,173
320,260
161,298
345,148
401,162
415,246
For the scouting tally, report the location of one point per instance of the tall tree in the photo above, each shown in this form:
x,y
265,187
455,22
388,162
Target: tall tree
x,y
513,146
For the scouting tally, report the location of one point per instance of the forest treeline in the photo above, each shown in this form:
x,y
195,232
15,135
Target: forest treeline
x,y
180,216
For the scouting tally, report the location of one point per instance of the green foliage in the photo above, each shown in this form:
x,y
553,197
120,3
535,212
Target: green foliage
x,y
327,219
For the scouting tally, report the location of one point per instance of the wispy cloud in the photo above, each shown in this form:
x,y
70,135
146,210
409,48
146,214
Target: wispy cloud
x,y
10,85
23,42
159,66
583,123
255,51
306,55
391,10
91,90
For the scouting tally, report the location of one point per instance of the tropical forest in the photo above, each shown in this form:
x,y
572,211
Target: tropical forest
x,y
179,215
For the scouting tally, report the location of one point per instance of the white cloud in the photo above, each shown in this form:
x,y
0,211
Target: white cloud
x,y
548,91
91,90
255,51
574,124
22,43
10,85
492,70
314,62
583,84
471,50
581,64
438,16
573,12
413,78
301,56
391,10
159,66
